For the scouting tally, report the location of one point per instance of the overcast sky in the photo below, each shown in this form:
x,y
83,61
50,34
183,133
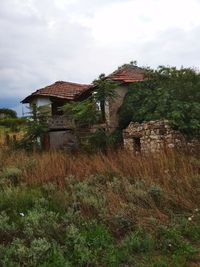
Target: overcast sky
x,y
42,41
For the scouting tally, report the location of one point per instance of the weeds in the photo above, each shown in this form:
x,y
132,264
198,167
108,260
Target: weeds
x,y
98,210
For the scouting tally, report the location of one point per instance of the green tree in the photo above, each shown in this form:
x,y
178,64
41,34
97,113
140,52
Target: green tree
x,y
167,93
37,126
87,112
104,92
83,113
8,113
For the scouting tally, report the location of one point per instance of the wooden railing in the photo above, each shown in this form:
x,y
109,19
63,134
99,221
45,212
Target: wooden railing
x,y
60,122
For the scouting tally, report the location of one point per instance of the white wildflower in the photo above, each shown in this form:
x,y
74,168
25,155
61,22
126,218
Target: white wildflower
x,y
189,218
21,214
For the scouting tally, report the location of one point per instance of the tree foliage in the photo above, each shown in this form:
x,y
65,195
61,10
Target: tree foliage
x,y
167,93
37,126
8,113
13,123
92,110
82,113
104,92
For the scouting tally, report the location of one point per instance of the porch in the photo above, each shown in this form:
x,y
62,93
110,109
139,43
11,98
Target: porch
x,y
60,122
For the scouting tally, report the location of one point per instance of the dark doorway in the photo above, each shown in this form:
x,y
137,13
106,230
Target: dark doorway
x,y
137,144
56,108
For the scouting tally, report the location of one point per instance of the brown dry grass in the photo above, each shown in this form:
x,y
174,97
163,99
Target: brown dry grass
x,y
176,174
114,188
5,131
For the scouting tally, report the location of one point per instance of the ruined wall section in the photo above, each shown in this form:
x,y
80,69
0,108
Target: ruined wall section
x,y
156,136
113,106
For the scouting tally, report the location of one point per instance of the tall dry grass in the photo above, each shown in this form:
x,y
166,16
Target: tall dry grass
x,y
174,172
154,168
6,134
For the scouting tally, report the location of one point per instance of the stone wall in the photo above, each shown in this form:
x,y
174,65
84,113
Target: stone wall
x,y
156,136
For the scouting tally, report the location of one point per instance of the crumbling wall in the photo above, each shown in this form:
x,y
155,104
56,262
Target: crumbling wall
x,y
113,106
155,136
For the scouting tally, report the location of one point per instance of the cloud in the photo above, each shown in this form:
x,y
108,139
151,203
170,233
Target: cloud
x,y
76,40
38,49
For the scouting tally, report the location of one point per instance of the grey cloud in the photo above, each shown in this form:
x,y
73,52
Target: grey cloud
x,y
174,47
34,53
40,44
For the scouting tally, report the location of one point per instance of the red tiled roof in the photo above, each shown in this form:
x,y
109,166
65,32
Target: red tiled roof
x,y
60,89
127,74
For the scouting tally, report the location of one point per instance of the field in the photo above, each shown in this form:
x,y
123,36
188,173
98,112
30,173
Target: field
x,y
113,209
6,133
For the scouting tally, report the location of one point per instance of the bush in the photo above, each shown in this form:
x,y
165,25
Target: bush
x,y
12,174
168,93
68,216
13,123
138,241
92,244
19,253
7,113
18,200
156,193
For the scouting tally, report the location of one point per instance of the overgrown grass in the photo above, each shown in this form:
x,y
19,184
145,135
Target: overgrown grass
x,y
15,134
99,210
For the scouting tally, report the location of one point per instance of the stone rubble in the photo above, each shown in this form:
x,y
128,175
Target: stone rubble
x,y
156,136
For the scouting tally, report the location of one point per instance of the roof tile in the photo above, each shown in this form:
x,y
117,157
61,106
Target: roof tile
x,y
60,89
127,74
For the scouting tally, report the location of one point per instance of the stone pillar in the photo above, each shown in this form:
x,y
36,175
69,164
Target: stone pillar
x,y
113,106
128,144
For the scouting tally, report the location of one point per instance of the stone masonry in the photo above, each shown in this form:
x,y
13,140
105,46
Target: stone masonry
x,y
156,136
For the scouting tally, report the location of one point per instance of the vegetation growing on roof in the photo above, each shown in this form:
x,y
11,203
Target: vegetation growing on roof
x,y
169,93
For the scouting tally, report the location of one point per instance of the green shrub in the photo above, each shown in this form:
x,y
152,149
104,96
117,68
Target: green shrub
x,y
92,244
40,222
170,238
12,174
191,230
56,259
5,225
39,250
172,242
19,253
137,196
89,196
156,193
138,242
18,200
49,226
169,93
8,113
13,123
122,223
160,263
98,140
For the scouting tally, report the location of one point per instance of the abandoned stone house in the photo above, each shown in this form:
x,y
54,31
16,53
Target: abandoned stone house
x,y
56,95
147,137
